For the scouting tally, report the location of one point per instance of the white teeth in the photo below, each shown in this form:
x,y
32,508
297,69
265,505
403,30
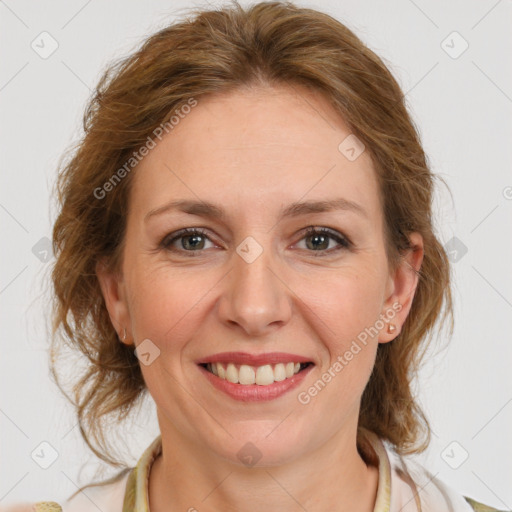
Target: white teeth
x,y
246,375
261,375
279,372
232,373
264,375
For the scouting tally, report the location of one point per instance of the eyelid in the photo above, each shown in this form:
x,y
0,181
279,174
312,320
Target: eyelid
x,y
340,238
343,240
325,229
175,235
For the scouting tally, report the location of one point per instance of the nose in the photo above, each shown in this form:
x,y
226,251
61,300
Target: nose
x,y
255,297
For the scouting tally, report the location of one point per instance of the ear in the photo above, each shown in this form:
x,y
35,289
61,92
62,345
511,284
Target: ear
x,y
401,288
113,290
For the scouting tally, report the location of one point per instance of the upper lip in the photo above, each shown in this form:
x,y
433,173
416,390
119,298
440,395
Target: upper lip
x,y
254,359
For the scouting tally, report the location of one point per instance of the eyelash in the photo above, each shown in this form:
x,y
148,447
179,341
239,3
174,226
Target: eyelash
x,y
343,241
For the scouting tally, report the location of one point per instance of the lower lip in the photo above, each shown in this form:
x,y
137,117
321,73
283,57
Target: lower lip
x,y
255,392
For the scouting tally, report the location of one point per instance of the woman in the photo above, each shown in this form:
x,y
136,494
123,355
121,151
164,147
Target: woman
x,y
246,234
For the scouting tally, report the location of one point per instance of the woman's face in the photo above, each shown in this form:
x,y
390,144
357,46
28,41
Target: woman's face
x,y
253,290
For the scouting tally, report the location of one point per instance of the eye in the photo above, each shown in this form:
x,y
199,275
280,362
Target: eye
x,y
320,239
192,240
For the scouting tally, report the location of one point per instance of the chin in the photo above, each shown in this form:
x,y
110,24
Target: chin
x,y
261,443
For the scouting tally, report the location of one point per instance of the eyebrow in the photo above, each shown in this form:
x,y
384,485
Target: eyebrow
x,y
206,209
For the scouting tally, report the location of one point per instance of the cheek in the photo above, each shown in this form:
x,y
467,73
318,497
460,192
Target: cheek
x,y
166,304
351,344
347,304
347,313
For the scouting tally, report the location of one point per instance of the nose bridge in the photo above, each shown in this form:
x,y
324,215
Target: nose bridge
x,y
255,297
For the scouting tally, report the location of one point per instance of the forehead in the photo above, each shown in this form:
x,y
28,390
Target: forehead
x,y
266,147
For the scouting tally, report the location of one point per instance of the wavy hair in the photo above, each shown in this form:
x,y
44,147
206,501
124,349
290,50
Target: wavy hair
x,y
217,51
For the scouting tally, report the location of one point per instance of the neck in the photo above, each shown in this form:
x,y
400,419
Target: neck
x,y
333,477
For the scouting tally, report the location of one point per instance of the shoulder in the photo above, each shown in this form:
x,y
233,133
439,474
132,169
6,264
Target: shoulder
x,y
38,506
107,496
480,507
413,483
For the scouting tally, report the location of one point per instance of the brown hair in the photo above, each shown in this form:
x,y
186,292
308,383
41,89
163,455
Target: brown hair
x,y
217,51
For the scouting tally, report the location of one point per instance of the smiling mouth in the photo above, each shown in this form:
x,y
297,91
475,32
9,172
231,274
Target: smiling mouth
x,y
247,375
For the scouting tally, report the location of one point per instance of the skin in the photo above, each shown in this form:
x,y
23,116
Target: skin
x,y
253,152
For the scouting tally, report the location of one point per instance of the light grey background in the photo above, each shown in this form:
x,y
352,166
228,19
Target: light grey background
x,y
463,108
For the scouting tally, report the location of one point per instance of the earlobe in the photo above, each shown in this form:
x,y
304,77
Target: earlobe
x,y
403,283
112,288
